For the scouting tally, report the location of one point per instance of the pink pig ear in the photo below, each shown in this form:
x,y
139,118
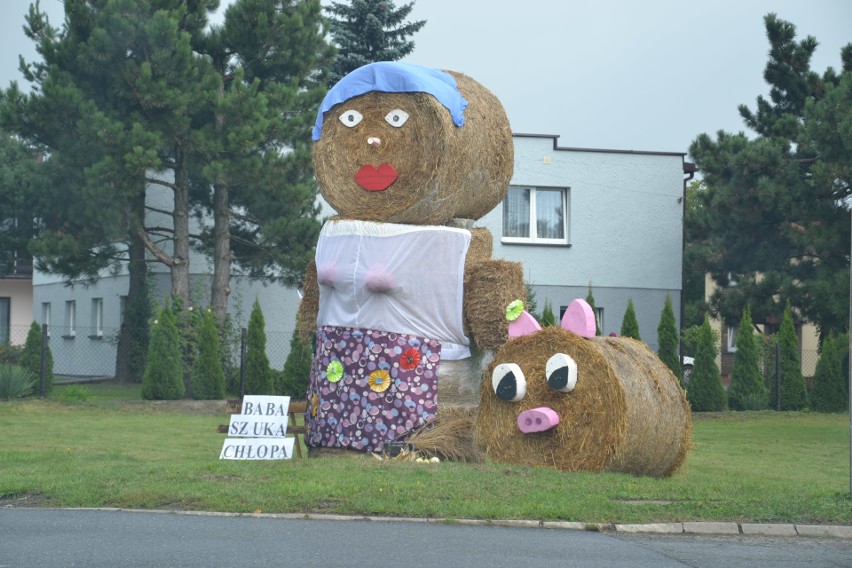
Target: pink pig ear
x,y
525,324
580,318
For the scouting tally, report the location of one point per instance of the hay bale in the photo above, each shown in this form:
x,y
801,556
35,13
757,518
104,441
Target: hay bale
x,y
450,436
481,247
489,287
444,171
627,412
306,317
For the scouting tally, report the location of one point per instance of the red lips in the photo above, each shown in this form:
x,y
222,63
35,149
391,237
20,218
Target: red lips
x,y
374,178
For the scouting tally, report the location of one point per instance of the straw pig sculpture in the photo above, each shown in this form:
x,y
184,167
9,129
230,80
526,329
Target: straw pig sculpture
x,y
552,397
403,284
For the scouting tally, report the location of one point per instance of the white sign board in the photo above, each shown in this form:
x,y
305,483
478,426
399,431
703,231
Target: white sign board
x,y
257,433
257,449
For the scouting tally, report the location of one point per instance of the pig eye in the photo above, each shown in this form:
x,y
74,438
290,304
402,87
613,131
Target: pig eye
x,y
561,372
396,117
508,382
351,118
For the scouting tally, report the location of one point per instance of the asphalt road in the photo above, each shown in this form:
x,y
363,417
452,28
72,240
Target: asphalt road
x,y
39,538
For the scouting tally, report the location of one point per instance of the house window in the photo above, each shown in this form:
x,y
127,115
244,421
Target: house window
x,y
5,320
536,215
70,318
732,339
97,317
45,316
599,318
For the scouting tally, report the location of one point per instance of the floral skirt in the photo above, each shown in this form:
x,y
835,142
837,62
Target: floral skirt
x,y
370,387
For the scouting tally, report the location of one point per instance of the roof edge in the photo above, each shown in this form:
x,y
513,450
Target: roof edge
x,y
554,137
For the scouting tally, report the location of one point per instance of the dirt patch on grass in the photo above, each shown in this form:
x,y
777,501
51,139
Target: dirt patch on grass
x,y
24,500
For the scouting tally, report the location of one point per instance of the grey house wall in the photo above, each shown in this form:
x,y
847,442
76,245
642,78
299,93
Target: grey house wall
x,y
625,229
624,226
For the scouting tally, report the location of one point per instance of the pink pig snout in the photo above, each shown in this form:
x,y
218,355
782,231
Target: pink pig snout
x,y
539,419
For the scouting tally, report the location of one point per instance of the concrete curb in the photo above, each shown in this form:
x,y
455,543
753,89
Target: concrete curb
x,y
686,528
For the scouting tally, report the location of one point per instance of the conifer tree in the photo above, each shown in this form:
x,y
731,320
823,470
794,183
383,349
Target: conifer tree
x,y
747,391
548,318
590,299
31,357
207,377
366,31
296,374
705,392
794,395
668,340
629,325
829,392
163,379
258,372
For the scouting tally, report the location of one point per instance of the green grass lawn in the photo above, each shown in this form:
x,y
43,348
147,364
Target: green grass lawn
x,y
110,452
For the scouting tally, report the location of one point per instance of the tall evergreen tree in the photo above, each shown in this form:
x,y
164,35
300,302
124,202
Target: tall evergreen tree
x,y
629,325
208,379
366,31
17,205
668,340
829,392
31,357
775,216
794,396
590,299
705,392
163,378
548,318
255,172
746,391
258,372
296,374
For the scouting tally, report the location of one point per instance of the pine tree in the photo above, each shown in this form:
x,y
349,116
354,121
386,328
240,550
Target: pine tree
x,y
705,392
590,299
163,378
829,392
31,357
794,395
775,216
629,325
208,379
258,372
366,31
747,391
667,338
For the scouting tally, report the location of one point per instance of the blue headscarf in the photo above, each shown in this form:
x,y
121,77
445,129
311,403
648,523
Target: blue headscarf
x,y
395,77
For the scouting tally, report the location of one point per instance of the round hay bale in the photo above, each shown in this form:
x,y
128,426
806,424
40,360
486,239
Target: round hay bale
x,y
306,318
481,247
444,171
490,286
627,412
450,436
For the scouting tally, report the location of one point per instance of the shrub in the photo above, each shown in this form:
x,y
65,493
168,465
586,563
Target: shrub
x,y
16,381
747,389
258,372
794,396
629,325
31,357
11,354
829,392
207,378
163,379
75,393
667,336
705,392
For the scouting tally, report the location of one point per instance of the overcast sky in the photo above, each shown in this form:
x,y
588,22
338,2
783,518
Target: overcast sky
x,y
614,74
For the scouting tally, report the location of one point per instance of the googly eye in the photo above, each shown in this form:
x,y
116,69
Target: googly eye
x,y
396,117
561,372
508,382
351,118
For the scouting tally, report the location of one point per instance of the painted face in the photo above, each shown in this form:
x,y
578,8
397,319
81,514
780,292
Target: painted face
x,y
380,155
